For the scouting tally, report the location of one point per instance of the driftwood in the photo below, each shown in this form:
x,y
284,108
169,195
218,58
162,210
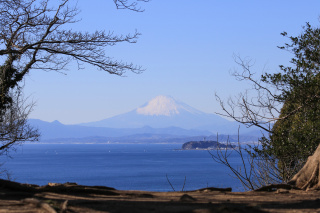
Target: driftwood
x,y
309,176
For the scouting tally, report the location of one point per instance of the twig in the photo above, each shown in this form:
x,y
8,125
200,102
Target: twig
x,y
184,183
170,183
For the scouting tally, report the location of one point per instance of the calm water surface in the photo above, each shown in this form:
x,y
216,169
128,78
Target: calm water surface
x,y
122,166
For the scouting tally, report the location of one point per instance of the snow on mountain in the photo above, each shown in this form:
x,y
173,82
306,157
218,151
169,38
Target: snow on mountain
x,y
164,111
165,105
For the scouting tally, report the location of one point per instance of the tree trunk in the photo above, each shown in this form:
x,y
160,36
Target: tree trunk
x,y
309,176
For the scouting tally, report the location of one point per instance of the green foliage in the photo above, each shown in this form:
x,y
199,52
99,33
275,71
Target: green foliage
x,y
306,50
296,134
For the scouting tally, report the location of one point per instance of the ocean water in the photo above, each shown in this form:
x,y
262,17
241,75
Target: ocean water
x,y
122,166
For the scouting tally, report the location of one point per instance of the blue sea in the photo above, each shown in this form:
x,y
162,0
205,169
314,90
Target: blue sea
x,y
122,166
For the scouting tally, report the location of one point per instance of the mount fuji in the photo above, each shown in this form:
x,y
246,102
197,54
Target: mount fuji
x,y
165,111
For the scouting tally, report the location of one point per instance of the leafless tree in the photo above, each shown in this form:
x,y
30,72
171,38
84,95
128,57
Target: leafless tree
x,y
14,127
36,35
259,105
253,172
256,106
33,35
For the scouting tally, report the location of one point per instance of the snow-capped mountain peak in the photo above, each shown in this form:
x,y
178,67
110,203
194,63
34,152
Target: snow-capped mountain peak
x,y
165,111
164,105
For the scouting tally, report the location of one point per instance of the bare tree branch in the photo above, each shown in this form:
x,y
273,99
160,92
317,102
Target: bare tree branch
x,y
14,127
254,172
35,35
131,5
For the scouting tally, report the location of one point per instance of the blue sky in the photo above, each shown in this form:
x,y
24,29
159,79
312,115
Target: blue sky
x,y
186,47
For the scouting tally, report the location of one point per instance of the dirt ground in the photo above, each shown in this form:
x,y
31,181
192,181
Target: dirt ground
x,y
69,197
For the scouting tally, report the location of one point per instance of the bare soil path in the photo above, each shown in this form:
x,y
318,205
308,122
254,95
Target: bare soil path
x,y
69,197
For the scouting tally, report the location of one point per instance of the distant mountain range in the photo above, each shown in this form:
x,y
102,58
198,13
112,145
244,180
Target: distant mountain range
x,y
165,111
163,119
54,130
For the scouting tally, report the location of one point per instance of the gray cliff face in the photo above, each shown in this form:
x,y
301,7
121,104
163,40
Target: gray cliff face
x,y
204,145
